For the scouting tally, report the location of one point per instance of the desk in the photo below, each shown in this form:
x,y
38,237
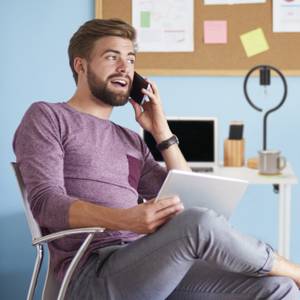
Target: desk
x,y
285,182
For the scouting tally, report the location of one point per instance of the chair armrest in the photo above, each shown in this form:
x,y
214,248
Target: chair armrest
x,y
57,235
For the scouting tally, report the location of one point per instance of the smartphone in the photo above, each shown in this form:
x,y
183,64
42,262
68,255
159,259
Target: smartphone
x,y
136,90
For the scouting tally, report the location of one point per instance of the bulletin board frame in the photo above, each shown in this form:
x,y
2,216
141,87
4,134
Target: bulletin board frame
x,y
216,59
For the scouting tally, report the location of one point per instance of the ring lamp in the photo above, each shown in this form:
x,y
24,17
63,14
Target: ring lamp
x,y
265,80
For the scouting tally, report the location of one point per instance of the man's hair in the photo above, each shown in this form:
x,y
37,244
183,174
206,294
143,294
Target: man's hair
x,y
82,42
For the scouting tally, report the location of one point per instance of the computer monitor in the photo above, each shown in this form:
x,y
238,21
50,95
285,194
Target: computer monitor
x,y
197,141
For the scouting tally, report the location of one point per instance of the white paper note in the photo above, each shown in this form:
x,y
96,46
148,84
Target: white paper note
x,y
286,15
164,25
224,2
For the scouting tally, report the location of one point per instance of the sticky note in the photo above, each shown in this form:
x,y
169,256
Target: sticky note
x,y
254,42
145,19
215,32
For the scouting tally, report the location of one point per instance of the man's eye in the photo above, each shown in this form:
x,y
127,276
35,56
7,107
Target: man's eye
x,y
131,60
112,57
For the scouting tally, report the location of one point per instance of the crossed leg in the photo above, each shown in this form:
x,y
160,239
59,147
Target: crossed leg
x,y
196,255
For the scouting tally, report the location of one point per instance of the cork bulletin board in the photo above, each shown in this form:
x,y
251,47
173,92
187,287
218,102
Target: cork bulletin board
x,y
216,59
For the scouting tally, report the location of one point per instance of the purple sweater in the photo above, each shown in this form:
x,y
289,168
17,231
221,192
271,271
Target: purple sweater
x,y
64,155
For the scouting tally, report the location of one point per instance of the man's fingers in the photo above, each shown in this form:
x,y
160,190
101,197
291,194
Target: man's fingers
x,y
152,94
158,223
166,215
169,211
153,87
167,201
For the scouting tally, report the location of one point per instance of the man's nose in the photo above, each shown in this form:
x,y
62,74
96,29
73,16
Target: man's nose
x,y
123,66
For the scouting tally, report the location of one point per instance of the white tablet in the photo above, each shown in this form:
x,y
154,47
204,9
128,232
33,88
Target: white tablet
x,y
221,194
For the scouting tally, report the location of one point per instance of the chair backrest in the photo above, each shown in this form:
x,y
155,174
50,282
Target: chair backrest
x,y
33,225
51,286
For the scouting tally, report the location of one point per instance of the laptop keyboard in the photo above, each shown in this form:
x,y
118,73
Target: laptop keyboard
x,y
203,169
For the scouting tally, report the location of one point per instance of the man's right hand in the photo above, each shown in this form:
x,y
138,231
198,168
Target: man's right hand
x,y
143,218
147,217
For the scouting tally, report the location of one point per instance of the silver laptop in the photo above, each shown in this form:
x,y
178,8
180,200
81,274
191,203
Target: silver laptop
x,y
198,140
221,194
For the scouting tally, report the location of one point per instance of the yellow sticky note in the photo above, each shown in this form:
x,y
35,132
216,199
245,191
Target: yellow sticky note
x,y
254,42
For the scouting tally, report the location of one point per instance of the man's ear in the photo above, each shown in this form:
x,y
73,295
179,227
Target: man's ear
x,y
79,65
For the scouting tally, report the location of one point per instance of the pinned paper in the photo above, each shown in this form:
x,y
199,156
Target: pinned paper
x,y
145,19
163,26
254,42
210,2
215,32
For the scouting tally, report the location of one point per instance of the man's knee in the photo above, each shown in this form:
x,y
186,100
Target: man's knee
x,y
279,287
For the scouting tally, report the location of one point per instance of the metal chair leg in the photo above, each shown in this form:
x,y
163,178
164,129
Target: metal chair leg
x,y
36,271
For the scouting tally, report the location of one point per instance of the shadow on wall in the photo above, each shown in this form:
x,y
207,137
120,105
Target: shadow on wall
x,y
17,257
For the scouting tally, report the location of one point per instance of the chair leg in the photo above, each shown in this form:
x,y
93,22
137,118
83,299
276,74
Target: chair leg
x,y
36,271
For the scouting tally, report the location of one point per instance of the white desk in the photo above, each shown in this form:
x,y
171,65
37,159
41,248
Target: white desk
x,y
284,181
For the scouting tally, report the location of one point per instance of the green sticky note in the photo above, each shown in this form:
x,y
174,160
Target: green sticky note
x,y
254,42
145,19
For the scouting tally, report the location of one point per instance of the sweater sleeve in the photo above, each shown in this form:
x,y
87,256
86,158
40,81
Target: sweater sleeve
x,y
40,155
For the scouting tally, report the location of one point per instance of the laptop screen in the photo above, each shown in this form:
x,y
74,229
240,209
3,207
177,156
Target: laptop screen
x,y
197,139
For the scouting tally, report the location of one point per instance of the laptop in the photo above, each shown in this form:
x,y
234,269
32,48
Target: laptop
x,y
221,194
198,140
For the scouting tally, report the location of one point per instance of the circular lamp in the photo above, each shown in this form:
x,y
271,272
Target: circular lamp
x,y
265,80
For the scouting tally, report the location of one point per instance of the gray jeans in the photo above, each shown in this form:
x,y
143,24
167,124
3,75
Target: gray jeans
x,y
196,255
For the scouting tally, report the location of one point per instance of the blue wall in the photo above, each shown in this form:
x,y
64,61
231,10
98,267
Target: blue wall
x,y
34,39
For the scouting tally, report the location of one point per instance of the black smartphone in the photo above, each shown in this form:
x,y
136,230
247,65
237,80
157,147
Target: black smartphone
x,y
138,84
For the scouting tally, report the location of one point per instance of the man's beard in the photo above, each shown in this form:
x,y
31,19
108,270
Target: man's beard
x,y
101,91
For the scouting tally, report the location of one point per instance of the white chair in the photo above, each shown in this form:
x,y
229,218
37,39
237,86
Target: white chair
x,y
52,289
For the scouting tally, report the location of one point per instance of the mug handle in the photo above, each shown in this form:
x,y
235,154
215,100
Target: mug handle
x,y
281,162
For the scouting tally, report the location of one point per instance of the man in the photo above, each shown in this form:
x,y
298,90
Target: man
x,y
82,170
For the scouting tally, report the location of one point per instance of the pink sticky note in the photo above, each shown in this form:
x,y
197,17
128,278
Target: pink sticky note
x,y
215,32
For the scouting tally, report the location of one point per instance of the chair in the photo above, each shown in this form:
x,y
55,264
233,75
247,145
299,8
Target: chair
x,y
52,289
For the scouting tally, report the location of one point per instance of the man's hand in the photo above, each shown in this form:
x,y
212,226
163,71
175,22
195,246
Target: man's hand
x,y
143,218
147,217
151,116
